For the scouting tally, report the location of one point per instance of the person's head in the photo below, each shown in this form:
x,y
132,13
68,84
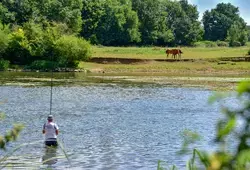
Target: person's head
x,y
50,118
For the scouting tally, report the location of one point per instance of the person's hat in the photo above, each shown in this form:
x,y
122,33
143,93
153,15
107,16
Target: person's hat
x,y
50,117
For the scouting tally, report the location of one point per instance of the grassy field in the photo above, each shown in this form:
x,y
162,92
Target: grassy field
x,y
189,68
174,68
213,74
159,52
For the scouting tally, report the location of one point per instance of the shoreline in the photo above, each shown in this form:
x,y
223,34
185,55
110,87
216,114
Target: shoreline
x,y
31,79
116,60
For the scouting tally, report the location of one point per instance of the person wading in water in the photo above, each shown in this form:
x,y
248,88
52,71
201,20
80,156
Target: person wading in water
x,y
50,129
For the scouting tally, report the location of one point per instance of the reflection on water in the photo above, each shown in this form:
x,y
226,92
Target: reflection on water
x,y
109,126
49,157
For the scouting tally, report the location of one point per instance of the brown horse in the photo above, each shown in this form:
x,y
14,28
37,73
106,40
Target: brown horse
x,y
174,52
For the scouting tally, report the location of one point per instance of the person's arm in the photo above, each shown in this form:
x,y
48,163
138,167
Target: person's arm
x,y
57,129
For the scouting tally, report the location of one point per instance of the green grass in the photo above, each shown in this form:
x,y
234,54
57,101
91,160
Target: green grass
x,y
205,73
159,52
169,68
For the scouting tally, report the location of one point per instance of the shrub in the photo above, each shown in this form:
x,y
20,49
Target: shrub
x,y
248,52
205,44
235,44
210,44
4,64
42,65
222,44
34,34
32,42
199,44
4,38
69,50
18,48
14,66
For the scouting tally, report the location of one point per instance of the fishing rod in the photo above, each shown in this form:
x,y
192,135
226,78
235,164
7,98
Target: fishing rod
x,y
51,91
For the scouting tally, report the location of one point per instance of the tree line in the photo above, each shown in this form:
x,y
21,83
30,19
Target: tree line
x,y
35,30
160,22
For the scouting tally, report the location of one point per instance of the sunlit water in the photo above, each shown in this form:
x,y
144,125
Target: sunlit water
x,y
108,126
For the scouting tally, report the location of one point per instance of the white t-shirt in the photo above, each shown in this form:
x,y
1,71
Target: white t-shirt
x,y
50,131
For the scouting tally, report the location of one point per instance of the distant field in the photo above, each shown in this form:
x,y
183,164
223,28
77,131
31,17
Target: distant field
x,y
215,74
159,52
176,68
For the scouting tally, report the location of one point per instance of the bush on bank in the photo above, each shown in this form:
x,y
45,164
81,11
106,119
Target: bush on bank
x,y
36,45
222,44
42,65
4,38
205,44
4,64
69,50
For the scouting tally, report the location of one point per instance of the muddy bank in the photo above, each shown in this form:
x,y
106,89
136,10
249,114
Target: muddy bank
x,y
47,70
105,60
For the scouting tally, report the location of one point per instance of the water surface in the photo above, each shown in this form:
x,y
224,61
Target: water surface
x,y
107,125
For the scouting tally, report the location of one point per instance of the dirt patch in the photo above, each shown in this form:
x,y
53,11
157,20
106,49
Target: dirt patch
x,y
106,60
103,60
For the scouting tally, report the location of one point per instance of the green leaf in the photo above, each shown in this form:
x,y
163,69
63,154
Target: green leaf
x,y
2,116
244,87
226,127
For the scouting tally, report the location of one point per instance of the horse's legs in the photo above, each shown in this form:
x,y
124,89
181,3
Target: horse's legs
x,y
179,56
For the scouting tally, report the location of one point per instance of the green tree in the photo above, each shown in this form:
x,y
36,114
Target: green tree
x,y
152,17
183,21
119,24
248,31
92,12
237,36
18,48
63,11
5,15
218,21
18,11
4,38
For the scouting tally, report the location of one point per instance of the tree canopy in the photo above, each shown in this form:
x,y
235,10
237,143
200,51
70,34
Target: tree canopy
x,y
220,22
29,29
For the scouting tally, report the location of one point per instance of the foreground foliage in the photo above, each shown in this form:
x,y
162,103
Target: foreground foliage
x,y
10,135
233,127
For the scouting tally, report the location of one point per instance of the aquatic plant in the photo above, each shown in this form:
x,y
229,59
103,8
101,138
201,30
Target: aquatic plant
x,y
11,135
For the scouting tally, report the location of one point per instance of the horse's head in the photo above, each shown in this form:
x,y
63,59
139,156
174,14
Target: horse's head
x,y
180,51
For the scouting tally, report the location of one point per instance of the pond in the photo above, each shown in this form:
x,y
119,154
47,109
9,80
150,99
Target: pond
x,y
104,125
